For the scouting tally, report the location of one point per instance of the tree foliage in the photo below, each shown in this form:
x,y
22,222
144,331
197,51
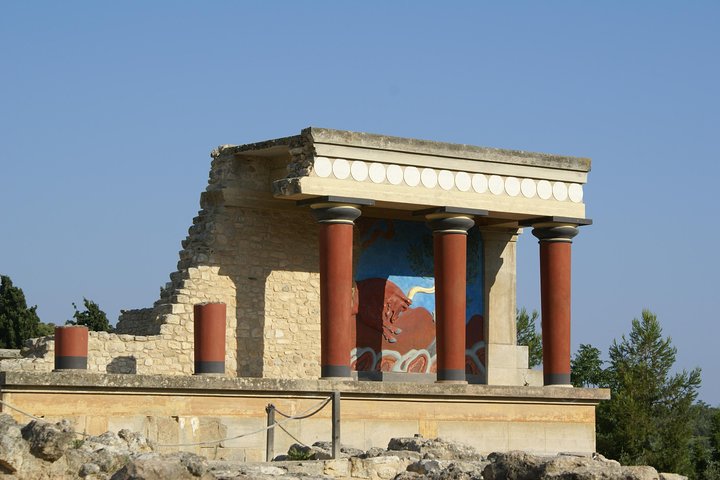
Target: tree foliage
x,y
92,317
649,417
527,335
587,368
705,442
18,322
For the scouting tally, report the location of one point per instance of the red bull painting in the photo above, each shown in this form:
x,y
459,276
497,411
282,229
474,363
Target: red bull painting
x,y
394,301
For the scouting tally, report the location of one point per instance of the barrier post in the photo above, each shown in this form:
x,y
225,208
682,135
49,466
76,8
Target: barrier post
x,y
335,425
270,438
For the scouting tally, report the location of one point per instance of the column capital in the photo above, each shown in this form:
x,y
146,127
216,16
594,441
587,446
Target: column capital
x,y
335,212
555,233
449,223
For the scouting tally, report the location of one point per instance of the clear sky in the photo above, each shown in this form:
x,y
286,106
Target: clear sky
x,y
108,111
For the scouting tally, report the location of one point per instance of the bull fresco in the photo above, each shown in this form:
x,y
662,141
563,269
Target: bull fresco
x,y
394,301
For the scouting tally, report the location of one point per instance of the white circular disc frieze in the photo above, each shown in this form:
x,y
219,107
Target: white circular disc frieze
x,y
377,172
512,186
479,183
322,166
575,192
341,168
412,176
462,181
544,189
428,177
359,170
394,174
527,187
446,179
496,184
560,191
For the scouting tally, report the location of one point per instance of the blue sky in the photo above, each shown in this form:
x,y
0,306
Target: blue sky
x,y
108,112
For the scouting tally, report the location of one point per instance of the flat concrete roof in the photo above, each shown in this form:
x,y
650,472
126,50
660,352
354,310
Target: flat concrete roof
x,y
373,141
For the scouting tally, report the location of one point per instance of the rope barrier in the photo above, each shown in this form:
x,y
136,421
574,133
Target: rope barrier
x,y
82,434
291,435
302,415
21,411
307,413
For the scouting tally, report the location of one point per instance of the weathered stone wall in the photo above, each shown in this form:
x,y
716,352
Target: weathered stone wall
x,y
257,255
141,321
170,352
190,409
245,249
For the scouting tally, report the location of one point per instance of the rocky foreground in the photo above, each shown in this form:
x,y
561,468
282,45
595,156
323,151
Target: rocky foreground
x,y
42,450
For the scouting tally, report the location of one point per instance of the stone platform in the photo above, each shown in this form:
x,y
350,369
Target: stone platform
x,y
174,410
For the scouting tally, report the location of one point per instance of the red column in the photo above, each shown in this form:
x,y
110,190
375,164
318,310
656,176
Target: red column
x,y
555,265
209,335
336,249
450,260
71,348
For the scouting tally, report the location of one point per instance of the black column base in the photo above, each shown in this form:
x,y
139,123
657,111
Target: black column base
x,y
328,371
203,367
70,363
451,375
557,379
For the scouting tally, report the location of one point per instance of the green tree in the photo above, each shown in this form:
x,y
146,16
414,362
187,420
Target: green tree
x,y
648,420
714,434
703,446
587,368
92,317
527,335
17,322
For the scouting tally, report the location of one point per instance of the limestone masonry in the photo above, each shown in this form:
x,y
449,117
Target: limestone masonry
x,y
254,250
368,258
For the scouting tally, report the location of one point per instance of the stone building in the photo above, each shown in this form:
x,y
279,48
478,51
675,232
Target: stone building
x,y
365,261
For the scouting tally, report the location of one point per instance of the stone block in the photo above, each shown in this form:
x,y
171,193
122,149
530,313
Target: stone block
x,y
164,431
377,468
522,356
487,437
135,423
379,432
502,356
503,376
569,437
247,429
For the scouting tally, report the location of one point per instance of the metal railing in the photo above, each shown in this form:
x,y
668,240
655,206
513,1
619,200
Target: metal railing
x,y
271,410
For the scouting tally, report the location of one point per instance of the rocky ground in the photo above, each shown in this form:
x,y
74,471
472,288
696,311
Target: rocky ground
x,y
41,450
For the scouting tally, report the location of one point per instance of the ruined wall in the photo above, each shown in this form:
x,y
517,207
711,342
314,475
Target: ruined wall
x,y
254,253
259,256
169,352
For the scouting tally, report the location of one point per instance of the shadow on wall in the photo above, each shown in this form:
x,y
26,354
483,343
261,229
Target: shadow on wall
x,y
127,364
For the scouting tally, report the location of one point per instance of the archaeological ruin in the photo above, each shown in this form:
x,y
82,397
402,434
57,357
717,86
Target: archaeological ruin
x,y
379,267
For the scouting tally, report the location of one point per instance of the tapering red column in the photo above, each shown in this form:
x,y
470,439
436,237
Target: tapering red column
x,y
555,266
71,348
336,254
209,336
450,260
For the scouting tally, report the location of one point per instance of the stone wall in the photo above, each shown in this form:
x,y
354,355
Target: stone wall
x,y
173,410
268,251
256,254
169,352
